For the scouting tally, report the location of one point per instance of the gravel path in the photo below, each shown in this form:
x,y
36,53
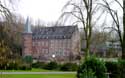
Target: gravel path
x,y
37,72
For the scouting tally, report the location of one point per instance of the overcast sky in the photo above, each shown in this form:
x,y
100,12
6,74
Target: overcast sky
x,y
46,10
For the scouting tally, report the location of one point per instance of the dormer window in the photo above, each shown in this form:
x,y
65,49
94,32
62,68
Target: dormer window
x,y
64,36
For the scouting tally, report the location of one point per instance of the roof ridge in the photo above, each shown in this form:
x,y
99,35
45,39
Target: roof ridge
x,y
62,32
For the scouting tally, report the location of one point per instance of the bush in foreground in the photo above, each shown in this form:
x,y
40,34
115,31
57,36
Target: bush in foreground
x,y
116,69
87,74
94,66
122,65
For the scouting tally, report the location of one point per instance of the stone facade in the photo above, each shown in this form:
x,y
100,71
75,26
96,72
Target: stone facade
x,y
62,42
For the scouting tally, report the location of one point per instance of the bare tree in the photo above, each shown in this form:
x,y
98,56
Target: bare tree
x,y
117,26
5,12
6,38
84,11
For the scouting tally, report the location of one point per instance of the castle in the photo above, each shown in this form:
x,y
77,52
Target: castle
x,y
60,43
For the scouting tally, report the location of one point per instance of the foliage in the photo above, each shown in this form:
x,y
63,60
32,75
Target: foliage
x,y
115,69
9,49
25,66
16,64
87,74
69,67
94,64
39,65
122,65
51,66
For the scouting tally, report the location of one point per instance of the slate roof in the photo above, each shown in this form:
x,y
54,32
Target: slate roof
x,y
57,32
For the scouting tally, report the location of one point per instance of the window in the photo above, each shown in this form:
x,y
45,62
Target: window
x,y
52,41
39,43
42,43
46,43
33,43
45,51
110,45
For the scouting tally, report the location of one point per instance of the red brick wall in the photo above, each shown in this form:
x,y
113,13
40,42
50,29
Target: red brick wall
x,y
27,44
45,48
40,48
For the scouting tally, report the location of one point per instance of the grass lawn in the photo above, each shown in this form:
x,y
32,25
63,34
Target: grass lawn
x,y
33,70
39,76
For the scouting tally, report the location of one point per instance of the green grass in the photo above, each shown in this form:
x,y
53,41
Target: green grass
x,y
41,70
40,76
33,70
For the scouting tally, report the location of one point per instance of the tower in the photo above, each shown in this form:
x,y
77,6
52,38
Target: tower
x,y
27,39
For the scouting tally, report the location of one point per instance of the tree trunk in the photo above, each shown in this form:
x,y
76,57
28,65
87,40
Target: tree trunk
x,y
123,45
87,49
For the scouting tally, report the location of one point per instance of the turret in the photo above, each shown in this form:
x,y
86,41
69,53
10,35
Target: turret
x,y
27,39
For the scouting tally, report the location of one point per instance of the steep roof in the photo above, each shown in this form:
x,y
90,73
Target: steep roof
x,y
27,26
57,32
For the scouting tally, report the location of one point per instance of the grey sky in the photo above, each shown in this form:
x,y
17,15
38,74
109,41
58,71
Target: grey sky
x,y
46,10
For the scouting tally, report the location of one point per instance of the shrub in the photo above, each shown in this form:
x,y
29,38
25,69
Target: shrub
x,y
25,67
51,66
95,65
114,69
87,74
16,64
11,66
117,69
69,67
39,65
122,67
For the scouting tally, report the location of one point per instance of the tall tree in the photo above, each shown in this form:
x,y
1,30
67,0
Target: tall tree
x,y
84,11
123,43
8,30
117,26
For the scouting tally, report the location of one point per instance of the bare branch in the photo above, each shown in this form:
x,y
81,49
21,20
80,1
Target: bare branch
x,y
99,17
112,28
119,4
75,22
80,10
111,11
72,13
67,4
6,12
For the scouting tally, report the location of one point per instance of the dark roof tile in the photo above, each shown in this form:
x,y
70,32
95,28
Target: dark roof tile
x,y
57,32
